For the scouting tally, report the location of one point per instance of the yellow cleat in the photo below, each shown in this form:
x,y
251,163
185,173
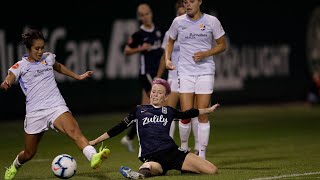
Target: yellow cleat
x,y
97,159
10,172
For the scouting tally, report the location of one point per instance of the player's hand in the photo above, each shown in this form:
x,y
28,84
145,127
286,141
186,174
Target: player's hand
x,y
146,47
5,85
169,65
198,56
85,75
93,142
212,108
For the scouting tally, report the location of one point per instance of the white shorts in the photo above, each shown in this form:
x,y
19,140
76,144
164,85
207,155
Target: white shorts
x,y
198,84
38,121
174,84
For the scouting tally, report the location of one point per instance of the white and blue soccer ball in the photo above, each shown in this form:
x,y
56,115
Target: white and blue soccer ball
x,y
64,166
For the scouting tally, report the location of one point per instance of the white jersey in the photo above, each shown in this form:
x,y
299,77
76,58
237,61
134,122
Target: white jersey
x,y
172,74
38,83
195,36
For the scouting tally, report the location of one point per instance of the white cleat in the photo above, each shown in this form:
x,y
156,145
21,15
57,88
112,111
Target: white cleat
x,y
127,143
129,173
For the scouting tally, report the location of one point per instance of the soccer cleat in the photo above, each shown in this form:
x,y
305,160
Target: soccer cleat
x,y
127,143
10,172
98,158
129,173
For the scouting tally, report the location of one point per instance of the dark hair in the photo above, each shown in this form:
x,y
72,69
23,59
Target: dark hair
x,y
143,4
30,36
163,83
179,3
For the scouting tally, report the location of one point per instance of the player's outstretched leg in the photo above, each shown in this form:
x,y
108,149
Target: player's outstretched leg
x,y
97,159
10,172
129,173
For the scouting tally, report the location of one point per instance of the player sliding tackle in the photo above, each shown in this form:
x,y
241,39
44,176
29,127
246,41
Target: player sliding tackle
x,y
158,151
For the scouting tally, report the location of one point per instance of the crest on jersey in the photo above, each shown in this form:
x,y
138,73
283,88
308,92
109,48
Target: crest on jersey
x,y
44,62
164,110
202,27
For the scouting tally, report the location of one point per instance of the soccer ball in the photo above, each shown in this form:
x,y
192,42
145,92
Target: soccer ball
x,y
64,166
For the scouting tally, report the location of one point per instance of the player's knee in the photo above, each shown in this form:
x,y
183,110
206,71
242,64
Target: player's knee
x,y
185,121
203,118
146,165
75,134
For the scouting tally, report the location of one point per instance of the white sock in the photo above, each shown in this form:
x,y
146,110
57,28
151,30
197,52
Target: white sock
x,y
195,123
203,135
89,151
184,131
16,162
172,129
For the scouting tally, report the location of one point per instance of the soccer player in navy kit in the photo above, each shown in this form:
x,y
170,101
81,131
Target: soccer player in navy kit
x,y
158,151
146,41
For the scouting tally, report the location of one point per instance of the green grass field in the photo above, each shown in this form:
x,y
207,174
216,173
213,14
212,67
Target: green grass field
x,y
250,142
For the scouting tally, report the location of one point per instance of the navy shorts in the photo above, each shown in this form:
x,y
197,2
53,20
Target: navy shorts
x,y
171,158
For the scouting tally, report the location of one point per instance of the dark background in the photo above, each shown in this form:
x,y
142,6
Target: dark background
x,y
253,23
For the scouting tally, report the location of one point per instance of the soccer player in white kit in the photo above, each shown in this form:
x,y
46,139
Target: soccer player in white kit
x,y
173,97
45,106
201,36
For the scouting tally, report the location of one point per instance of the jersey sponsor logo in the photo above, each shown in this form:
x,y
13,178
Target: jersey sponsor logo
x,y
15,66
41,72
195,35
156,45
155,119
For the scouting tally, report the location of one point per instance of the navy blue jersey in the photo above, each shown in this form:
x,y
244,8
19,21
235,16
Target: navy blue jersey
x,y
153,125
149,60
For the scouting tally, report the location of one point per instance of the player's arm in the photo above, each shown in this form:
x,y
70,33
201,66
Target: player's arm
x,y
220,46
133,50
194,112
129,50
110,133
117,129
8,81
208,110
134,46
64,70
168,52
